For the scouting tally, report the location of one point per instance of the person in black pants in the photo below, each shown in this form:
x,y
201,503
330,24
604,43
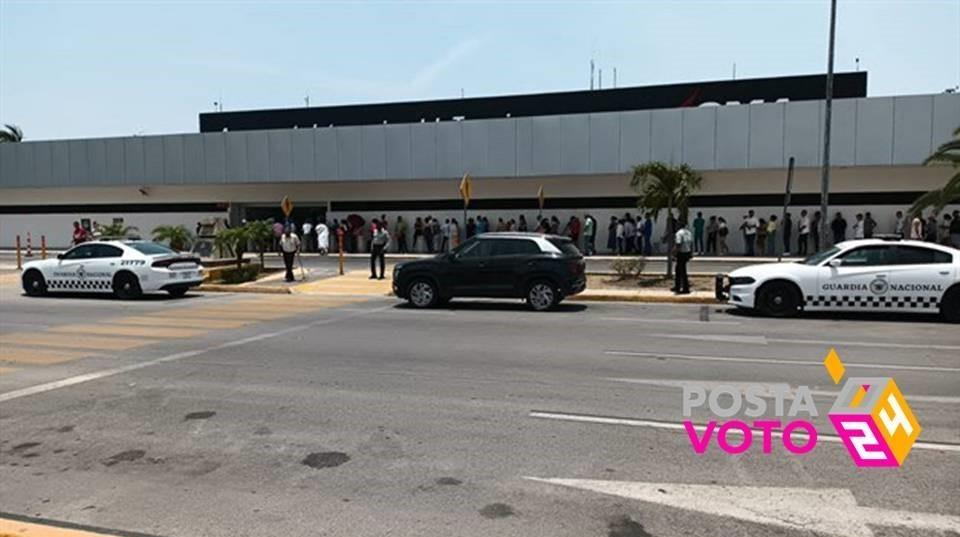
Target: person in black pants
x,y
289,246
683,241
379,242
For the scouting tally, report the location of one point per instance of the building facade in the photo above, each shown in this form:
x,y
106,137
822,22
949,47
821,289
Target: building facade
x,y
581,160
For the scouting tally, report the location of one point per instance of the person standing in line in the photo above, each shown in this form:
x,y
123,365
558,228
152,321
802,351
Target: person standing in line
x,y
589,235
648,235
712,235
522,225
869,225
943,233
761,237
815,230
858,229
722,231
930,229
698,229
839,228
79,234
428,234
445,236
417,232
379,242
772,227
554,225
749,227
454,233
620,237
471,227
277,233
401,233
916,228
899,226
575,230
307,229
683,246
804,236
289,246
629,234
955,229
437,234
323,237
612,235
787,226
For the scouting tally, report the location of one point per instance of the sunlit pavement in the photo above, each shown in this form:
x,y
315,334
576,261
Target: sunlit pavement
x,y
231,415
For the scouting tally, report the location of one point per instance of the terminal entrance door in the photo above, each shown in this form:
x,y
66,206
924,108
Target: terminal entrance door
x,y
302,212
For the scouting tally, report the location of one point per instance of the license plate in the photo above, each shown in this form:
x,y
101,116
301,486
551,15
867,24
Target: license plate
x,y
186,275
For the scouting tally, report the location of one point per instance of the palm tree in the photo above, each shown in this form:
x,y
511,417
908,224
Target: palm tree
x,y
234,240
116,230
178,237
948,153
665,186
11,133
261,236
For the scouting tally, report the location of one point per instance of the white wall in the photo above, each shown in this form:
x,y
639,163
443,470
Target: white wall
x,y
58,228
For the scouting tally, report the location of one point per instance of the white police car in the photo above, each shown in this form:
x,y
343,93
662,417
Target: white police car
x,y
125,268
858,275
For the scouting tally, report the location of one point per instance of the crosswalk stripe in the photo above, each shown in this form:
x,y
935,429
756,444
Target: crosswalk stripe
x,y
73,341
30,355
21,528
127,330
213,324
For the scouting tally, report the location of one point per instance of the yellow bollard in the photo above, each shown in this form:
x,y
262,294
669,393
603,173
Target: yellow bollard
x,y
19,260
43,246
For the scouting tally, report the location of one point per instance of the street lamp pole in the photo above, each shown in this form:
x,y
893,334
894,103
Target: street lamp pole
x,y
827,113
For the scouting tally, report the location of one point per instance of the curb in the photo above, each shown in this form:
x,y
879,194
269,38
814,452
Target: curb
x,y
224,288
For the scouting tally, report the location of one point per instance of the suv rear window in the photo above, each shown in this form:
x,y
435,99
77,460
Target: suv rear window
x,y
566,246
150,248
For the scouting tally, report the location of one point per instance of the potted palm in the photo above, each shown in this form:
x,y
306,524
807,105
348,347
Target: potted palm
x,y
177,237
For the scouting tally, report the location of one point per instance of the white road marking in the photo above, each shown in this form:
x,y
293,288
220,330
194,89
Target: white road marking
x,y
705,358
667,321
763,340
79,379
678,426
742,385
830,511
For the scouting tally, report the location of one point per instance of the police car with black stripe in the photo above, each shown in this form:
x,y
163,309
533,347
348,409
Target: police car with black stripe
x,y
858,275
125,268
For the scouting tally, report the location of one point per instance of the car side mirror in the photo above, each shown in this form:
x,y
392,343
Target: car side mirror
x,y
836,263
59,256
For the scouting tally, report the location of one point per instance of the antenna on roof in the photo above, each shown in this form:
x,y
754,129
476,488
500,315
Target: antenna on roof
x,y
306,99
591,74
600,79
614,77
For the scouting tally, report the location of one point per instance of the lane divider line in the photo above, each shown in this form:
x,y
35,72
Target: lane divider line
x,y
737,359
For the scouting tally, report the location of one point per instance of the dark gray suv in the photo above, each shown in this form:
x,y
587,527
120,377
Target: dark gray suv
x,y
543,269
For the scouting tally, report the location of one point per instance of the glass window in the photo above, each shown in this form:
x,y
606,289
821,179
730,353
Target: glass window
x,y
566,246
868,256
106,250
501,247
84,251
819,257
917,255
470,249
150,248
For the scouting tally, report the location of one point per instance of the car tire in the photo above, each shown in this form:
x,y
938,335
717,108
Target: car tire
x,y
950,305
778,299
33,283
177,292
126,286
423,293
542,295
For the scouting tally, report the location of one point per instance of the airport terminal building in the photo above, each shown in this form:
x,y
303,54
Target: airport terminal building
x,y
407,158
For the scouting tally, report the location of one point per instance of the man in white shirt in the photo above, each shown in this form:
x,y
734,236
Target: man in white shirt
x,y
289,246
749,227
323,238
858,227
804,233
683,240
916,228
307,229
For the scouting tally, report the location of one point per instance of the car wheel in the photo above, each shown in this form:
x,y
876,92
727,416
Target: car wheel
x,y
950,305
422,293
542,295
778,299
126,286
34,284
177,292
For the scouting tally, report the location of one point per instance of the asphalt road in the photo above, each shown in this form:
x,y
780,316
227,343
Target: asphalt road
x,y
303,416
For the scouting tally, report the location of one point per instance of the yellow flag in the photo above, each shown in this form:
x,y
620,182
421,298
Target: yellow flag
x,y
466,187
540,197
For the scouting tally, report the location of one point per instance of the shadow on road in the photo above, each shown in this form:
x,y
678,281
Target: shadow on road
x,y
849,316
495,305
153,297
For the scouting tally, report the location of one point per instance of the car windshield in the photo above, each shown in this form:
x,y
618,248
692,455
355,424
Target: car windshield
x,y
818,257
150,248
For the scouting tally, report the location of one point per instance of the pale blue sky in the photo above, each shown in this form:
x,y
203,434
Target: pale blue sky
x,y
85,69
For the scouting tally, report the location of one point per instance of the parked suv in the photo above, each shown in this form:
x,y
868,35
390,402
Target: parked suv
x,y
543,269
